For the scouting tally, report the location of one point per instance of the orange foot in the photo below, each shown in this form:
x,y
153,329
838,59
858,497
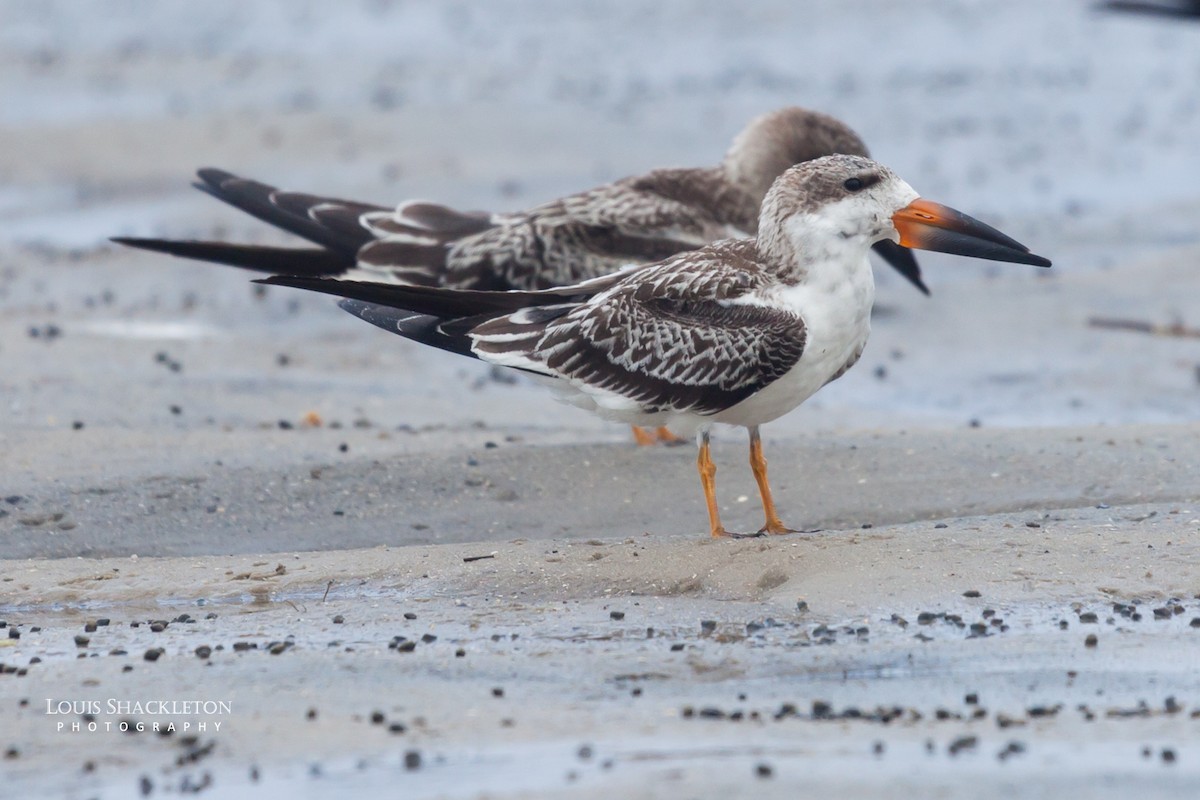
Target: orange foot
x,y
660,435
721,533
778,528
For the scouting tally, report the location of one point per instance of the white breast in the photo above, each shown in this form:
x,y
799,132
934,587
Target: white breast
x,y
835,305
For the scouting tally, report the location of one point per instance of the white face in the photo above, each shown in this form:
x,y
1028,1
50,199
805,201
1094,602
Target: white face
x,y
857,220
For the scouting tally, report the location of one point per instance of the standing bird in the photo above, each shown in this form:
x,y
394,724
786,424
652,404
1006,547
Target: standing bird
x,y
581,236
737,332
596,232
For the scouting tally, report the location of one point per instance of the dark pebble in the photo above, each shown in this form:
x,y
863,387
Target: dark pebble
x,y
1195,623
312,714
584,752
764,771
940,525
971,593
1091,641
77,425
81,640
1163,613
203,651
497,691
409,615
377,717
153,653
397,727
1013,748
406,647
343,448
176,410
1168,755
412,760
962,743
158,627
708,625
675,648
460,653
616,614
971,699
1088,617
284,425
339,619
427,638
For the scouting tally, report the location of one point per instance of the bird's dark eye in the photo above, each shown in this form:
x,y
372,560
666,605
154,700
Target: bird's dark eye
x,y
853,184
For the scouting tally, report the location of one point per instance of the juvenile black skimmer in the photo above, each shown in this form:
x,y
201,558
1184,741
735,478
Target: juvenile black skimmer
x,y
630,221
737,332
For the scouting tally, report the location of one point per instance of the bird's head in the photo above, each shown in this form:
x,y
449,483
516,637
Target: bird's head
x,y
839,203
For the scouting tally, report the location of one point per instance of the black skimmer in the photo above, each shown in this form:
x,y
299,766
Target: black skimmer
x,y
630,221
739,331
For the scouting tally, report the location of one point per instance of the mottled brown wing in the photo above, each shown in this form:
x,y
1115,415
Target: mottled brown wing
x,y
586,235
669,337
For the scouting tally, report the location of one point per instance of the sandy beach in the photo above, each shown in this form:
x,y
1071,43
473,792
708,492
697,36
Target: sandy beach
x,y
322,560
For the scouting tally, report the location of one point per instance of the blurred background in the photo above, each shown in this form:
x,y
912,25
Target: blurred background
x,y
1071,127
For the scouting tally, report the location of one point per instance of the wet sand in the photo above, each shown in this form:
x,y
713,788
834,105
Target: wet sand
x,y
975,654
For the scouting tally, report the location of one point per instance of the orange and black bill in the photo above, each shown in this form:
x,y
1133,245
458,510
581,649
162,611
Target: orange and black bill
x,y
926,225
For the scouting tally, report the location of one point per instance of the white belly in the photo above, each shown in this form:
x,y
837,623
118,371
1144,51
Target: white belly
x,y
837,317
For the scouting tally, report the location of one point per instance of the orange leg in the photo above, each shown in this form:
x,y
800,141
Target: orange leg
x,y
758,464
643,437
708,479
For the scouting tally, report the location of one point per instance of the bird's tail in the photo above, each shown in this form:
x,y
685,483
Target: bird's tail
x,y
406,245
